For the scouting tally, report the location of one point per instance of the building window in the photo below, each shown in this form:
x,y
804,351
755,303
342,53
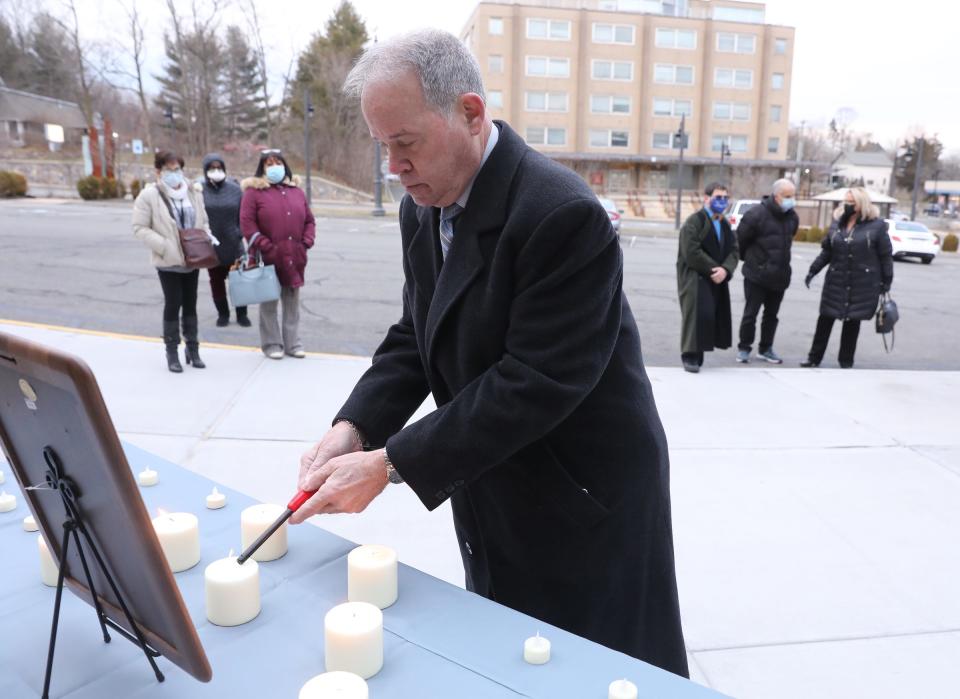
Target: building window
x,y
777,82
608,138
663,106
543,136
548,67
613,33
735,143
775,113
495,26
736,43
780,46
546,101
495,98
662,139
738,14
729,77
773,145
669,74
609,104
675,38
495,63
554,29
612,70
731,111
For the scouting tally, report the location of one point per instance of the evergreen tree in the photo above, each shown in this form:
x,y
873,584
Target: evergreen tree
x,y
51,61
244,114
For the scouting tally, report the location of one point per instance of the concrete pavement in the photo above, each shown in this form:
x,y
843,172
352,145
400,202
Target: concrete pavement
x,y
816,512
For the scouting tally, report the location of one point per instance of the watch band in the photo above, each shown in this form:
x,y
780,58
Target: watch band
x,y
392,475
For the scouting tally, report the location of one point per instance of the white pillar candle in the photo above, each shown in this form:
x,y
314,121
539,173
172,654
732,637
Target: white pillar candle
x,y
148,477
7,502
536,650
49,572
179,534
216,499
232,591
30,524
353,639
335,685
254,521
622,689
372,575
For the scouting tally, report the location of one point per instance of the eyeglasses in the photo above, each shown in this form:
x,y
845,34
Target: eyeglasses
x,y
271,151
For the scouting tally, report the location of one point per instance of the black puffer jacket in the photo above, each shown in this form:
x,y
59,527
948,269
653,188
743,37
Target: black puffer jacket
x,y
765,236
861,267
222,202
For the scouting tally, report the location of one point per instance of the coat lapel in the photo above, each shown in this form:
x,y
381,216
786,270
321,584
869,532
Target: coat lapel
x,y
423,252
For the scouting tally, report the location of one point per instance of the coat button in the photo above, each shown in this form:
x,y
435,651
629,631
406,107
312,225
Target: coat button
x,y
458,483
450,489
440,495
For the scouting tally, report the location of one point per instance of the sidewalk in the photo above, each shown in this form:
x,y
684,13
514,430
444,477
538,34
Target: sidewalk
x,y
816,512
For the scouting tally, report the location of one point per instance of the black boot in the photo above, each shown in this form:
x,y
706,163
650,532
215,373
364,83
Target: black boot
x,y
171,340
223,311
192,343
242,319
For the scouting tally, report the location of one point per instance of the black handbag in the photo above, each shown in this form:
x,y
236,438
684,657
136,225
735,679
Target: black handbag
x,y
886,319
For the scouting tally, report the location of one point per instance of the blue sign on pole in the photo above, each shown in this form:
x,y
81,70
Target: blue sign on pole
x,y
136,145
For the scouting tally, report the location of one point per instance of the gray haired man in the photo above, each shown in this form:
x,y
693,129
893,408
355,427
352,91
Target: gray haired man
x,y
765,237
546,438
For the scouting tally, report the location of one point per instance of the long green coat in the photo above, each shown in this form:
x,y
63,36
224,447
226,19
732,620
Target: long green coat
x,y
705,306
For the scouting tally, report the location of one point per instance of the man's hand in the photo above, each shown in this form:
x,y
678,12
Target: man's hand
x,y
717,275
345,483
339,440
808,279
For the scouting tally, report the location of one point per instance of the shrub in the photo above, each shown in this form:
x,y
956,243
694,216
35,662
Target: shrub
x,y
815,234
12,184
100,188
108,188
88,187
950,242
121,189
135,188
800,236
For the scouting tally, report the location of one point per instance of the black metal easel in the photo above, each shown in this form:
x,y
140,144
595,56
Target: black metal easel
x,y
74,526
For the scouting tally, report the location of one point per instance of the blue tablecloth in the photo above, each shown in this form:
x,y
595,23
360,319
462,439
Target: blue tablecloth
x,y
440,641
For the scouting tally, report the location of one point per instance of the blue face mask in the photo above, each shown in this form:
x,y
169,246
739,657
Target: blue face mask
x,y
788,204
172,178
276,173
718,205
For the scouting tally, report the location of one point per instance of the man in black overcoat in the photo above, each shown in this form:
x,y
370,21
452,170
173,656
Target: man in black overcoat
x,y
546,437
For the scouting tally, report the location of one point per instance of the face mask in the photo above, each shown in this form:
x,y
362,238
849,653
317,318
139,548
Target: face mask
x,y
172,178
216,175
788,204
718,205
849,209
276,173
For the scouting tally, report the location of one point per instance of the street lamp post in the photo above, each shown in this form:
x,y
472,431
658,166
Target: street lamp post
x,y
307,113
681,136
724,153
168,113
377,181
919,147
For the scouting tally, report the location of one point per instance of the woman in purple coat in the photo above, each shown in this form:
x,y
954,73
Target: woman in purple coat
x,y
276,221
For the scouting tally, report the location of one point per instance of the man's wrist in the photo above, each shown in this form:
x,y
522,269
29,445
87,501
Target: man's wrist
x,y
357,434
392,475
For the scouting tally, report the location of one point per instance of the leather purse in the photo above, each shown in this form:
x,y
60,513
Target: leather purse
x,y
886,318
198,251
258,284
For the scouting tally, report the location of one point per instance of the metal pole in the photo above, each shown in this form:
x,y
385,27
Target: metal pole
x,y
682,134
307,109
377,181
920,145
799,153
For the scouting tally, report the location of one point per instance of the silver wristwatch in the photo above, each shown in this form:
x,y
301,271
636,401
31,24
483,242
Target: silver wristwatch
x,y
392,474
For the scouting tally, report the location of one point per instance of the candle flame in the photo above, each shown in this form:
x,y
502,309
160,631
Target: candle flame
x,y
215,491
230,555
162,512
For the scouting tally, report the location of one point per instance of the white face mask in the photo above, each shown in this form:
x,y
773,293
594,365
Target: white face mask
x,y
216,175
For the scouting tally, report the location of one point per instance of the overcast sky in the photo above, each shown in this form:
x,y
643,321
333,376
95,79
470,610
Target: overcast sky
x,y
895,69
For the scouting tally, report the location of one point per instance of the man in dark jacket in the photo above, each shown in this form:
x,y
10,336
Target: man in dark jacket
x,y
546,439
706,260
765,236
221,199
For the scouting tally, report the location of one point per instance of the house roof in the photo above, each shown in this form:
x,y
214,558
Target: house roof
x,y
839,194
876,158
16,105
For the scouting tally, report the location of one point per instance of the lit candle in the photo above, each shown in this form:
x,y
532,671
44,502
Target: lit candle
x,y
254,521
30,524
335,685
148,477
179,534
372,575
536,650
7,502
622,689
216,499
49,572
353,639
232,591
2,478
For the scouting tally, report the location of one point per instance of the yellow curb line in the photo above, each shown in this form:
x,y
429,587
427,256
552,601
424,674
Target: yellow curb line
x,y
156,340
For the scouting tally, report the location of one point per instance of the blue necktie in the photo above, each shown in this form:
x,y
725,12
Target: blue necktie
x,y
447,215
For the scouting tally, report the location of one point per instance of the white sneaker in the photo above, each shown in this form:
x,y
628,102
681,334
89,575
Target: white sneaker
x,y
275,354
298,353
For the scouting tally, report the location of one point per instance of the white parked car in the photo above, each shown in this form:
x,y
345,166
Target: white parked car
x,y
739,208
613,212
912,239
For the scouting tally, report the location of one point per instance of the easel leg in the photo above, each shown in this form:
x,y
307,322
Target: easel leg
x,y
56,615
93,592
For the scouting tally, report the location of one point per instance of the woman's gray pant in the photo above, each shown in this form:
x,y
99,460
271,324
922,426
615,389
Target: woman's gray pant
x,y
273,336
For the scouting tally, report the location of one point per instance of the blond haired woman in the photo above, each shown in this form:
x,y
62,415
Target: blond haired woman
x,y
860,256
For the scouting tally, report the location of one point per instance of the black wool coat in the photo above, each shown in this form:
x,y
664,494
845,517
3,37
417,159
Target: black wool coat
x,y
546,437
861,267
222,202
765,236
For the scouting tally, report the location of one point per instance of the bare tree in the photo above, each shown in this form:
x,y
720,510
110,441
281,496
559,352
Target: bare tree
x,y
133,77
253,21
86,99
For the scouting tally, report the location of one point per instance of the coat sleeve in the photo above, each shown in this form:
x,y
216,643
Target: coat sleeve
x,y
733,257
142,222
249,224
691,249
564,322
309,225
885,253
747,230
826,253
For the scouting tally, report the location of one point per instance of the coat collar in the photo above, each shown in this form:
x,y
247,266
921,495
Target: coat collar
x,y
444,282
